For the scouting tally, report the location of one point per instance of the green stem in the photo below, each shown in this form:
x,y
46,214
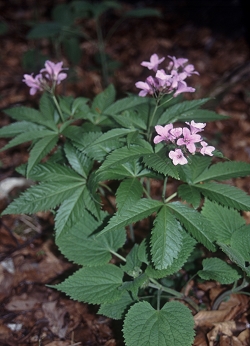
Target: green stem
x,y
170,197
132,233
220,299
117,255
101,47
57,107
149,134
164,188
159,299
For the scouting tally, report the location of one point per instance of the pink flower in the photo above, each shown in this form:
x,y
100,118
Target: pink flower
x,y
183,88
154,62
177,157
176,63
196,127
54,71
35,83
164,133
188,140
206,149
176,132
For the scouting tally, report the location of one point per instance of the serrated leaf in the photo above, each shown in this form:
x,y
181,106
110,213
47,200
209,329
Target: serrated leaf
x,y
128,193
224,171
40,150
92,201
225,194
81,246
125,103
202,115
19,127
187,247
116,309
28,136
137,212
197,164
78,161
189,194
134,285
195,223
218,270
225,221
133,263
93,285
103,100
30,114
125,154
42,197
171,326
236,257
161,163
240,241
46,106
166,239
178,111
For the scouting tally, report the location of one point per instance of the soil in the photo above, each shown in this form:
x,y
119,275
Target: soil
x,y
30,312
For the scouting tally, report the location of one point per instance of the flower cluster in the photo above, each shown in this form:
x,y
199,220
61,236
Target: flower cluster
x,y
170,80
186,138
47,79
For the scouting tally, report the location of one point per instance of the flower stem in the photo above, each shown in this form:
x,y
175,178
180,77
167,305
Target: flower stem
x,y
149,134
170,197
164,188
57,107
117,255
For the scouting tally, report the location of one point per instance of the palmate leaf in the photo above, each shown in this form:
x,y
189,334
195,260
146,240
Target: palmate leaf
x,y
19,127
40,150
195,223
92,201
189,194
125,154
28,136
93,285
116,309
83,247
69,212
130,120
30,114
171,326
224,171
225,221
125,103
128,193
137,212
42,197
103,100
226,195
78,161
160,163
166,239
197,164
178,111
235,256
218,270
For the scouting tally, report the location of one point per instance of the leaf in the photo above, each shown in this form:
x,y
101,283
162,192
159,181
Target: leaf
x,y
189,194
195,223
224,171
72,46
161,163
218,270
30,114
178,111
137,212
134,285
225,221
125,103
47,106
78,161
235,256
93,285
133,263
43,30
40,150
28,136
116,309
83,247
103,100
42,197
19,127
171,326
226,195
240,241
202,115
128,193
197,164
166,239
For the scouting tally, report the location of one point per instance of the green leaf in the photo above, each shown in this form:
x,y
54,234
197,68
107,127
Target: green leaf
x,y
240,241
116,309
125,154
161,163
225,195
72,46
128,193
218,270
125,103
171,326
83,247
235,255
40,150
133,263
195,223
166,240
47,106
189,194
28,136
78,161
103,100
187,247
134,285
225,221
93,285
42,197
202,115
43,30
224,171
92,201
179,110
19,127
137,212
30,114
197,164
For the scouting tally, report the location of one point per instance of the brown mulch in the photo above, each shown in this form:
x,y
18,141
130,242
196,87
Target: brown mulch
x,y
30,312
